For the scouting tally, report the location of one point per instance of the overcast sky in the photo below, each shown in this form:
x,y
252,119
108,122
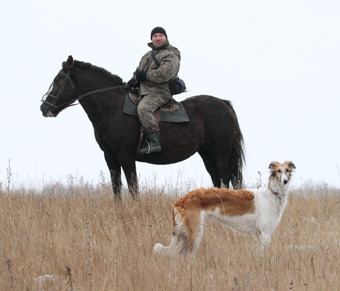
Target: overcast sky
x,y
277,61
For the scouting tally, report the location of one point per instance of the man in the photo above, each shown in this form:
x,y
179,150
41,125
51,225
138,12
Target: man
x,y
154,84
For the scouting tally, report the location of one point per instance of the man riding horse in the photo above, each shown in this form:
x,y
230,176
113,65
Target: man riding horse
x,y
156,68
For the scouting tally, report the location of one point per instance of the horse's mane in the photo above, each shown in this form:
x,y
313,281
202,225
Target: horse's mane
x,y
102,72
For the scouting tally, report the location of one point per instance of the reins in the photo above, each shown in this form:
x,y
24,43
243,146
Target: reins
x,y
81,97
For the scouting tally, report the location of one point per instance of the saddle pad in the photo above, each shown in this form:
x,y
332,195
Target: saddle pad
x,y
166,115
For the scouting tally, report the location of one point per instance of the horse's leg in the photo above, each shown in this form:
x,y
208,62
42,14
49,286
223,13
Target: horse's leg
x,y
222,154
224,172
210,164
115,172
229,158
129,167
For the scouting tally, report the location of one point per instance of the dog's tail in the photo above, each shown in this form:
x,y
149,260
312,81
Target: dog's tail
x,y
178,219
175,217
180,237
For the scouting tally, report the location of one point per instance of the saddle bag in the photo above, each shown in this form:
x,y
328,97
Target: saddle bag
x,y
177,86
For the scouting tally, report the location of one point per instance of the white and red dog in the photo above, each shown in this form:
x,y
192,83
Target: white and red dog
x,y
255,212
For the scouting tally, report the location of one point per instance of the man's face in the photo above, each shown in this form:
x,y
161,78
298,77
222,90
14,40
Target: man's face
x,y
158,39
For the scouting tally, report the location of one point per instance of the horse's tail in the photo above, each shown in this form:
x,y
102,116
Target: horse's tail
x,y
236,158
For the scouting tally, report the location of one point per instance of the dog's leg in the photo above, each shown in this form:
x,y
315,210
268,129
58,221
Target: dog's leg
x,y
195,219
263,241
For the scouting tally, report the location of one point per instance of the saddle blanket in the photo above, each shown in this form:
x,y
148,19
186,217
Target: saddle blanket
x,y
174,112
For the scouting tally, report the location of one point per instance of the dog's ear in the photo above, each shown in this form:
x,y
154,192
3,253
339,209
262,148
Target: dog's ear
x,y
291,166
273,165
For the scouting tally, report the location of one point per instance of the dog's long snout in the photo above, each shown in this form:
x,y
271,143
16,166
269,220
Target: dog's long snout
x,y
285,181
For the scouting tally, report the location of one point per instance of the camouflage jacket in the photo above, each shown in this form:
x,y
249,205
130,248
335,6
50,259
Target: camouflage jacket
x,y
158,77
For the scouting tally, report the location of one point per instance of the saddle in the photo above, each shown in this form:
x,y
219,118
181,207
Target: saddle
x,y
172,111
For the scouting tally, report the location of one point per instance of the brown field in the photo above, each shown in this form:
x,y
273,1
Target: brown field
x,y
76,238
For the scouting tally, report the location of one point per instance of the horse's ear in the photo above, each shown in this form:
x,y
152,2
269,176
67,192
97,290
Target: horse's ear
x,y
68,64
273,165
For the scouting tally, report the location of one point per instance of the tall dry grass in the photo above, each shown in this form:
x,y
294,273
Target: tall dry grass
x,y
75,237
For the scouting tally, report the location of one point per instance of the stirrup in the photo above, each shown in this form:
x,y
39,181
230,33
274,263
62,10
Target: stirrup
x,y
148,150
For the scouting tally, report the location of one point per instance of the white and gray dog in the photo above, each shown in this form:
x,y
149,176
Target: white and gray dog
x,y
255,212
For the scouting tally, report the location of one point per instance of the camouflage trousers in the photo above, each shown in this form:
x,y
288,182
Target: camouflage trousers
x,y
146,108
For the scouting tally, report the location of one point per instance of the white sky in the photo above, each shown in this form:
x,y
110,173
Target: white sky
x,y
277,61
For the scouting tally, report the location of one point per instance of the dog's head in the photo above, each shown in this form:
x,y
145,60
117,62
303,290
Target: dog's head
x,y
281,172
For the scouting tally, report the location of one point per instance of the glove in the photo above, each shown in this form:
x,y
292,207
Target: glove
x,y
133,82
140,75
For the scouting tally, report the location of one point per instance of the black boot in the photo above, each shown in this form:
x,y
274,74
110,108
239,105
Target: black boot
x,y
152,145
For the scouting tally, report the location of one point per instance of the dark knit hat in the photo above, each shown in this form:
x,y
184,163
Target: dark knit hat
x,y
158,29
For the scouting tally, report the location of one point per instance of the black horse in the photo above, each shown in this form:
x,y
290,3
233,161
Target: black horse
x,y
213,130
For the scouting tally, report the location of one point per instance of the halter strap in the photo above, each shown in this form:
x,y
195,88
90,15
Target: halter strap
x,y
67,76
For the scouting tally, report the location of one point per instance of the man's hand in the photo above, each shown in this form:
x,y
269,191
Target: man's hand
x,y
140,75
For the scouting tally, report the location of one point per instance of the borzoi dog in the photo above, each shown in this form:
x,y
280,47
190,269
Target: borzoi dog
x,y
255,212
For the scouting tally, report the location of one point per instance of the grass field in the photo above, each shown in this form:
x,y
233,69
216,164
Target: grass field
x,y
75,237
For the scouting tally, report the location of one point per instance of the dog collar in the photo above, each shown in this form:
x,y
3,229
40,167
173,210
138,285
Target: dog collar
x,y
275,193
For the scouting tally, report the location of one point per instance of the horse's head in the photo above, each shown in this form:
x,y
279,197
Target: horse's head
x,y
61,93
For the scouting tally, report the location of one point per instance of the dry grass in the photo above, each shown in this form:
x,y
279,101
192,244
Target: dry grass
x,y
77,238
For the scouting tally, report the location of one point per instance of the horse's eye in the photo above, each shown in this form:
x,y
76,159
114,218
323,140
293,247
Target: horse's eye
x,y
279,171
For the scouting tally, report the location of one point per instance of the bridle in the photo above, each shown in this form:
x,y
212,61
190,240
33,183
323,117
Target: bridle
x,y
73,90
56,97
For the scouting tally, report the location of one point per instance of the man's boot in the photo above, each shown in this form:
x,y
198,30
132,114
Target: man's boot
x,y
152,145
